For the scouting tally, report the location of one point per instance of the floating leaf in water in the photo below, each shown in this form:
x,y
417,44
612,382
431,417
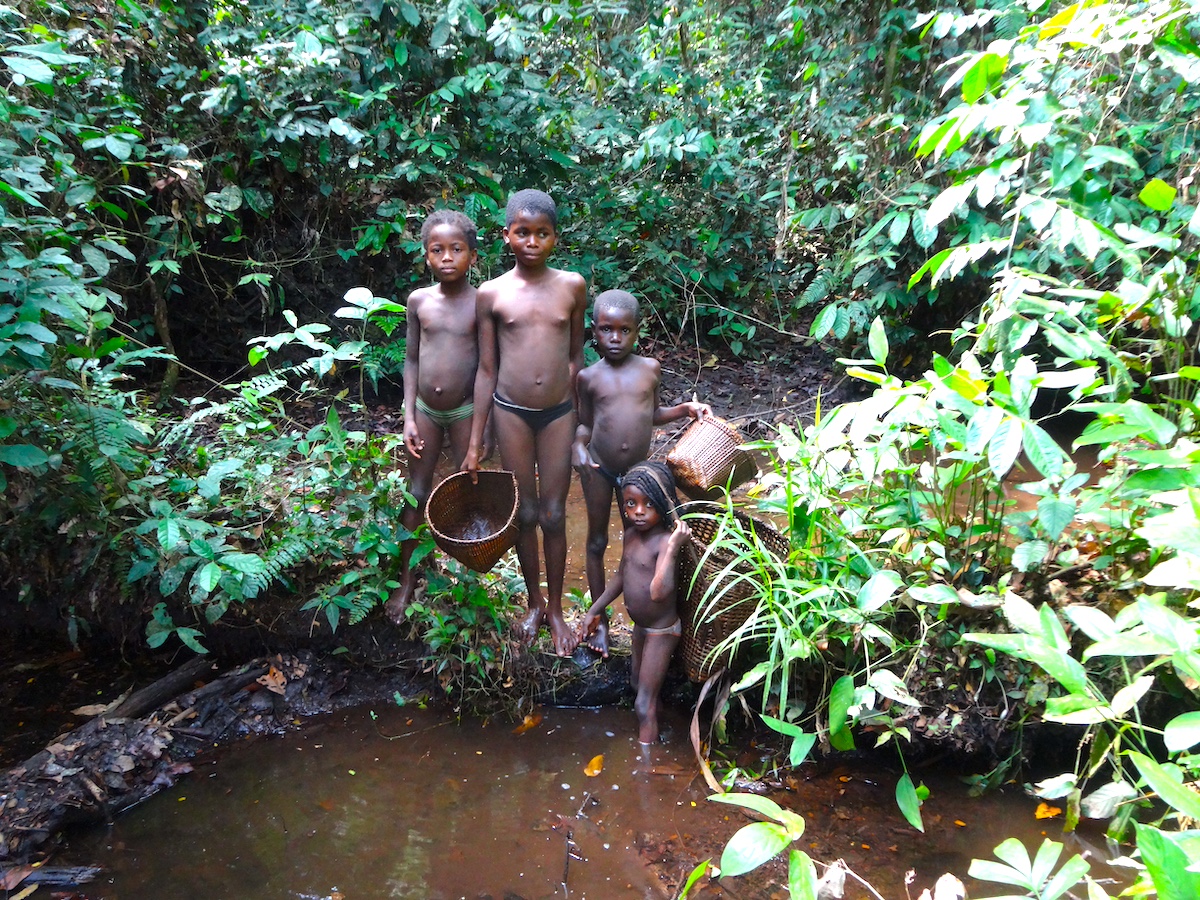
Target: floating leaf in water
x,y
1046,811
595,767
532,720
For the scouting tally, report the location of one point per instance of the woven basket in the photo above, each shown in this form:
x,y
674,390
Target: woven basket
x,y
474,523
706,623
708,458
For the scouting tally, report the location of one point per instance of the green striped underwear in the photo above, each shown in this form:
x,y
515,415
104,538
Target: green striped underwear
x,y
446,417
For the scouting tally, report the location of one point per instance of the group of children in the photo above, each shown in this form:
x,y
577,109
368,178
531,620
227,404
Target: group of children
x,y
506,361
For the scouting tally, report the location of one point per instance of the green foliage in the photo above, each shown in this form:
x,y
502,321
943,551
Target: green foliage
x,y
463,619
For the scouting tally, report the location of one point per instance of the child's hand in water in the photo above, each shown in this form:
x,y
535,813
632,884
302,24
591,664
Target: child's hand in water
x,y
412,438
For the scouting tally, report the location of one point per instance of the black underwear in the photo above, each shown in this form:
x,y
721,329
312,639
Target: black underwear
x,y
536,419
611,477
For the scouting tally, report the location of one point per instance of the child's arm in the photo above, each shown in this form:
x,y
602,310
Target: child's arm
x,y
593,618
579,293
412,358
485,377
663,584
665,414
580,456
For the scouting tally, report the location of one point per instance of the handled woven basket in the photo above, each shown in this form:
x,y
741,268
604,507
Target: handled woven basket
x,y
714,601
474,523
708,458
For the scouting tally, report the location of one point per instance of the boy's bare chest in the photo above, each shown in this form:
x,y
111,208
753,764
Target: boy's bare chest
x,y
440,319
532,312
633,388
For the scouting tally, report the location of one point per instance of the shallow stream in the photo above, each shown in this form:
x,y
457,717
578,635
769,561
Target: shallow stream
x,y
406,803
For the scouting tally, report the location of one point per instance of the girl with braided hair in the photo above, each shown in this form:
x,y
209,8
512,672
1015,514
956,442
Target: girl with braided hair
x,y
654,535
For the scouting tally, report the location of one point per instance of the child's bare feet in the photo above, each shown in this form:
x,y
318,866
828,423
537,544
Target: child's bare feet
x,y
562,636
399,599
598,639
530,624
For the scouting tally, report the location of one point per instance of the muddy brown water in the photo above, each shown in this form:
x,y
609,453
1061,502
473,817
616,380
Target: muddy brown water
x,y
407,803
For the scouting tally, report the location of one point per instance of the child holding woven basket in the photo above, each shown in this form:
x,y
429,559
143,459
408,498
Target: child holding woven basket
x,y
618,409
654,537
530,322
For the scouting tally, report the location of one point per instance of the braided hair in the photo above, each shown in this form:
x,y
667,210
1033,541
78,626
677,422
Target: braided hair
x,y
655,480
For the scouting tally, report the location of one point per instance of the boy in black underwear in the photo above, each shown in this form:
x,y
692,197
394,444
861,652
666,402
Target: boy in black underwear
x,y
618,409
441,356
654,536
530,322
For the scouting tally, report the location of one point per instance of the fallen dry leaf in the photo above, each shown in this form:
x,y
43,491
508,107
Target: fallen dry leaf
x,y
532,720
273,681
10,878
1046,811
595,767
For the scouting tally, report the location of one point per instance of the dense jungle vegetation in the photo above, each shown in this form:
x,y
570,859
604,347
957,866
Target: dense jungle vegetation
x,y
989,210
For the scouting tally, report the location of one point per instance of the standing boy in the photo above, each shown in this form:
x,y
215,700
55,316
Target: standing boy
x,y
441,357
530,322
618,409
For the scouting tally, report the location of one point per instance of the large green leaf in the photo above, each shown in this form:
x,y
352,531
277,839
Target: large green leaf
x,y
909,803
1182,732
1168,789
1168,858
753,845
841,697
23,455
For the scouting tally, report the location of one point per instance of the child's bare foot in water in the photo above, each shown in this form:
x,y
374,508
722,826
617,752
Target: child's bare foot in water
x,y
562,636
530,625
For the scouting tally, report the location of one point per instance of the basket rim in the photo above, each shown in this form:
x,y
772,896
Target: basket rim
x,y
510,522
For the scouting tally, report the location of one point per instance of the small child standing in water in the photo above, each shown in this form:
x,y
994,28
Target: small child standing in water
x,y
618,409
654,536
441,357
530,323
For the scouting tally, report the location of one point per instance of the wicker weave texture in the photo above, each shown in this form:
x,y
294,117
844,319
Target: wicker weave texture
x,y
474,523
708,458
701,572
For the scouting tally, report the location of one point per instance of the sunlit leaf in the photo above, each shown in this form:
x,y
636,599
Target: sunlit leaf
x,y
909,803
1182,732
752,846
1170,791
1157,194
1046,811
595,767
531,720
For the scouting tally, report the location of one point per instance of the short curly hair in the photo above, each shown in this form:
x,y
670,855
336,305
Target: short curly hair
x,y
455,220
539,203
621,301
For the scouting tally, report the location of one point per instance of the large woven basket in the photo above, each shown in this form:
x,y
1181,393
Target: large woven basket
x,y
704,574
708,458
474,523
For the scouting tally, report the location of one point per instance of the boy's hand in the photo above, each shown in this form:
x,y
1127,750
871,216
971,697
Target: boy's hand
x,y
471,463
698,410
588,626
679,537
581,459
412,439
